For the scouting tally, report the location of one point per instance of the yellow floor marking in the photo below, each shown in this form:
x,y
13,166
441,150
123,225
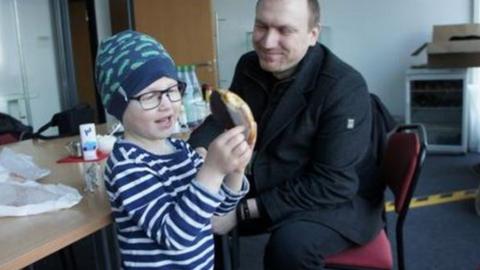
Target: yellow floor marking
x,y
437,199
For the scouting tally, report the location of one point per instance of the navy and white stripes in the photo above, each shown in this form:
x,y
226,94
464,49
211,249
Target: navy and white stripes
x,y
162,213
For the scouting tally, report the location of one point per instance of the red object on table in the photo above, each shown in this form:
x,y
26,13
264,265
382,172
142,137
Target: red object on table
x,y
74,159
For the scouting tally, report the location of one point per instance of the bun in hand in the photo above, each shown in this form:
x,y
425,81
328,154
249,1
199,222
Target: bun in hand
x,y
230,110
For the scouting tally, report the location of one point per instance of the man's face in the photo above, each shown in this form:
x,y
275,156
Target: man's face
x,y
282,35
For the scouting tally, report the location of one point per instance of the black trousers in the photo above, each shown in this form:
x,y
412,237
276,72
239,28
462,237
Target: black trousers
x,y
302,245
296,245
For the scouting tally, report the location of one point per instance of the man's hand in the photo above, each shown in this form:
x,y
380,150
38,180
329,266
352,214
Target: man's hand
x,y
223,224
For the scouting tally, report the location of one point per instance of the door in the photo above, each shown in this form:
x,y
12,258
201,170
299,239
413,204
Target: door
x,y
82,54
187,30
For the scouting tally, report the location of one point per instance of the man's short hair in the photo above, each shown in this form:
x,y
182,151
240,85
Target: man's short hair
x,y
314,8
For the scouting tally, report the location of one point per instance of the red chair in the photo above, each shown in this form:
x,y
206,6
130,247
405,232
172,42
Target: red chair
x,y
402,163
400,169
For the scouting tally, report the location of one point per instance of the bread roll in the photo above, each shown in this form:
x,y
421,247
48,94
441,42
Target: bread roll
x,y
230,110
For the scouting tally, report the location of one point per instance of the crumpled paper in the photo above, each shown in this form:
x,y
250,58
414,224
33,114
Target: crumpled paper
x,y
21,165
21,195
31,198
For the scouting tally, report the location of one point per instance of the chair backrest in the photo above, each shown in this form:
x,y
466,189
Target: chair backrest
x,y
382,124
402,162
12,129
7,138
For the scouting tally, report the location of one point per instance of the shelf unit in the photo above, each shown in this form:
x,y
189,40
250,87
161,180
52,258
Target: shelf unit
x,y
436,99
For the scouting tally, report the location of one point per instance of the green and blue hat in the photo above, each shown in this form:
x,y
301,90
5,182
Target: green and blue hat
x,y
127,63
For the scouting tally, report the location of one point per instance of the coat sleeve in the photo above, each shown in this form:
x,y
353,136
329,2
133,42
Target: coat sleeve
x,y
340,141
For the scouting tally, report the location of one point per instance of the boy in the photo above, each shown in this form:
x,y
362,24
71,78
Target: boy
x,y
163,194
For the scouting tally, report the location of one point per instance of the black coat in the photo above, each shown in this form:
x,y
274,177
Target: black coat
x,y
313,159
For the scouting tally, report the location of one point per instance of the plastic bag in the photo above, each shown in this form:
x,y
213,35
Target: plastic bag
x,y
31,198
21,165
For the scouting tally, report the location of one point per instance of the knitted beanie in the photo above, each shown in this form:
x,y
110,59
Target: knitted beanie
x,y
127,63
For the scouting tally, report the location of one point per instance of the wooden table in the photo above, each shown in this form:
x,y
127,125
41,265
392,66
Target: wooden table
x,y
25,240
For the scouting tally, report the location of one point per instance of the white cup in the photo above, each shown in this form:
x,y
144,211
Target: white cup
x,y
105,143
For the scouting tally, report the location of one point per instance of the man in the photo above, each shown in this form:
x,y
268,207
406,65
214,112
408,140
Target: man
x,y
311,175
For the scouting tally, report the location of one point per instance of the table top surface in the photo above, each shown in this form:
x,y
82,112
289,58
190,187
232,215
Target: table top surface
x,y
24,240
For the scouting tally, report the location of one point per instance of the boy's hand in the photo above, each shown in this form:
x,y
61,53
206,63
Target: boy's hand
x,y
229,152
244,152
227,155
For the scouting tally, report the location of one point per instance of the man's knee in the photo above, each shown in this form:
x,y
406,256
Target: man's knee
x,y
285,250
302,245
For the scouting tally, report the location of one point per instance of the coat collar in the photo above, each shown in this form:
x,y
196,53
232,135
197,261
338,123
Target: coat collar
x,y
293,100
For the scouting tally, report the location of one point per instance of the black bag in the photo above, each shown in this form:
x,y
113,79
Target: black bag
x,y
383,123
14,127
68,121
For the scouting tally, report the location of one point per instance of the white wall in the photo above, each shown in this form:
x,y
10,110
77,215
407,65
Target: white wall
x,y
234,21
374,36
29,60
102,14
13,98
476,19
10,74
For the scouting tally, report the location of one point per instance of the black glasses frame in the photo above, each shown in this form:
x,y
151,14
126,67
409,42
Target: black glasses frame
x,y
181,88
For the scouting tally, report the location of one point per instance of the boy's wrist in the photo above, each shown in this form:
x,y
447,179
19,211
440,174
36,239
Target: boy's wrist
x,y
234,181
210,178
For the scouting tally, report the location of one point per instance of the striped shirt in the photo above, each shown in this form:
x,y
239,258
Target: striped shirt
x,y
163,214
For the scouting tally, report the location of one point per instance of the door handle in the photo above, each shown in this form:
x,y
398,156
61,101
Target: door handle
x,y
207,64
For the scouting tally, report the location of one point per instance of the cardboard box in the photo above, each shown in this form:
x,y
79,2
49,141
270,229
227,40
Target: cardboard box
x,y
454,46
419,59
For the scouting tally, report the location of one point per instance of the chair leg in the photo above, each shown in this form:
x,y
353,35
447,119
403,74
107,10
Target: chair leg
x,y
116,248
400,251
63,259
96,258
71,255
67,258
235,248
226,253
105,249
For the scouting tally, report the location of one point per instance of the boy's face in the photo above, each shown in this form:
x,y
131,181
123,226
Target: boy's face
x,y
149,123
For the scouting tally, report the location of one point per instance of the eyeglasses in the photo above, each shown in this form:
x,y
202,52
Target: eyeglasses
x,y
152,100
